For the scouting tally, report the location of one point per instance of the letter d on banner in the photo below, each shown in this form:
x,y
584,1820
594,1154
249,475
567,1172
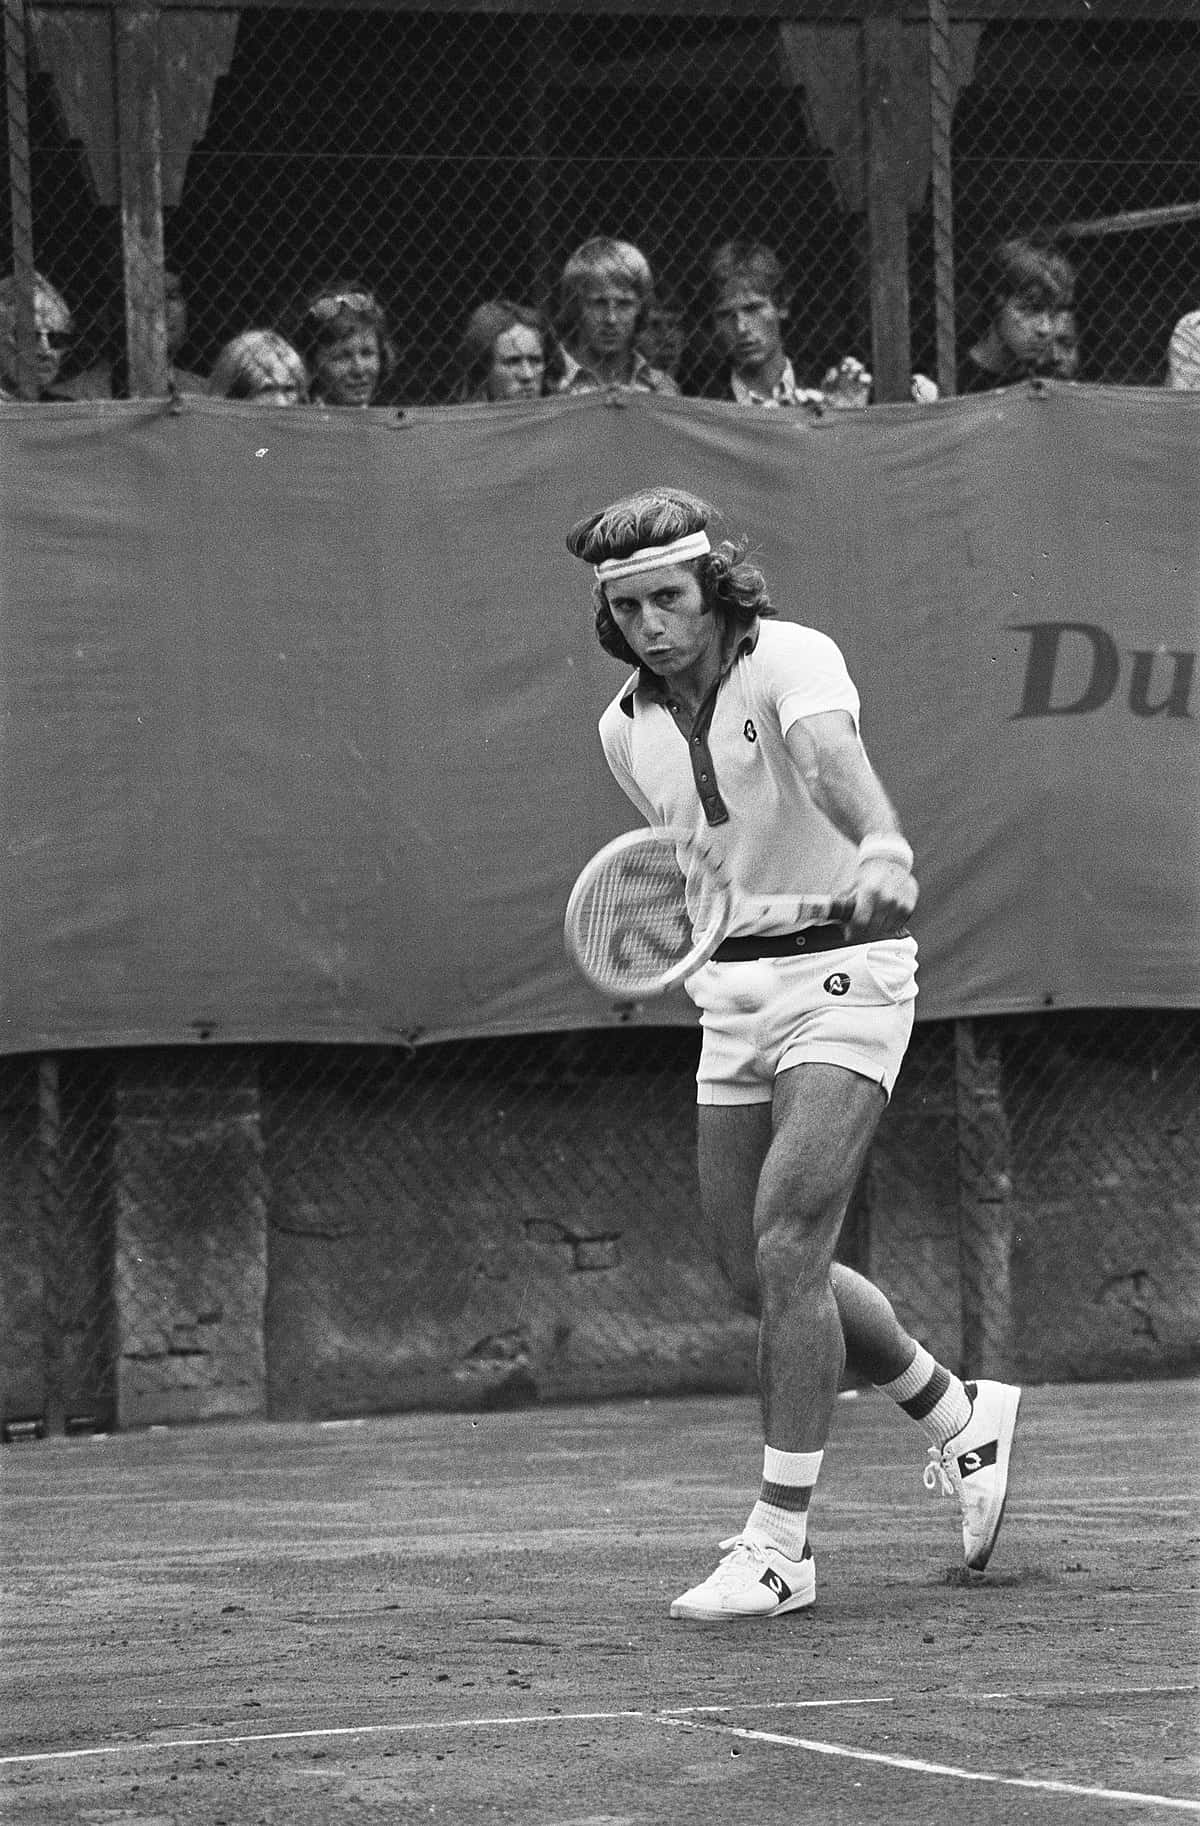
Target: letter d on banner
x,y
1045,641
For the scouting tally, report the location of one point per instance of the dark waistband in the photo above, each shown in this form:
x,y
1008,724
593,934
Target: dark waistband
x,y
789,944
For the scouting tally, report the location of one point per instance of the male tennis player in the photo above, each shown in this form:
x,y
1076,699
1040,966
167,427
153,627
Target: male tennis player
x,y
741,731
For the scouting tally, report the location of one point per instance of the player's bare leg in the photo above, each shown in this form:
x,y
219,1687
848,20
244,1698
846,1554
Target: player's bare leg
x,y
760,1164
782,1178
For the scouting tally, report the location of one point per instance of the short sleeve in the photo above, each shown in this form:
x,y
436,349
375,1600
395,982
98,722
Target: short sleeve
x,y
809,677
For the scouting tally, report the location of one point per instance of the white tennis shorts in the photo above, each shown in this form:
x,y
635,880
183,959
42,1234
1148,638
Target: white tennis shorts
x,y
851,1007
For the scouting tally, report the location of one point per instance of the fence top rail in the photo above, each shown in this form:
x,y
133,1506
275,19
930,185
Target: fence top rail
x,y
806,12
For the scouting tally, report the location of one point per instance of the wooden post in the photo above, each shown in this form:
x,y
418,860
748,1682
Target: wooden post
x,y
50,1216
20,190
139,172
886,200
984,1200
941,119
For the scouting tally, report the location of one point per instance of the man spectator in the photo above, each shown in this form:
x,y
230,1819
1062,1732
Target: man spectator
x,y
52,331
750,305
1031,295
607,290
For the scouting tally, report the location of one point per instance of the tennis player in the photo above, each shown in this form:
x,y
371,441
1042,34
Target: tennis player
x,y
742,731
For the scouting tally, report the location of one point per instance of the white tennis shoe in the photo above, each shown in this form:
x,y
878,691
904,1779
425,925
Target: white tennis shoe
x,y
752,1580
973,1466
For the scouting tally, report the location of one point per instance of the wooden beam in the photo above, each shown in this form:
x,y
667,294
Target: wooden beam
x,y
887,205
139,169
1075,12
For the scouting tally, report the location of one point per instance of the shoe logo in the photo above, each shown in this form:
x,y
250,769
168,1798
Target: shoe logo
x,y
749,731
977,1460
837,984
773,1582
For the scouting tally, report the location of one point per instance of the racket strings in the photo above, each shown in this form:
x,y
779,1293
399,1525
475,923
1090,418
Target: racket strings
x,y
636,923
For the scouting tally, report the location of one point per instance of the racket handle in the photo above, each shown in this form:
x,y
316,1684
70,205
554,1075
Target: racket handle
x,y
806,909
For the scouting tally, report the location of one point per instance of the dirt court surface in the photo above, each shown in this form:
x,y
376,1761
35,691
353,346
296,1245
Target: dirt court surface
x,y
463,1618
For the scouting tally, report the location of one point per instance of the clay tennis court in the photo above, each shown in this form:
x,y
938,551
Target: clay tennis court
x,y
464,1618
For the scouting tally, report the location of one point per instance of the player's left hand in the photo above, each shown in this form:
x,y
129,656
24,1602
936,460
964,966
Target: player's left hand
x,y
884,895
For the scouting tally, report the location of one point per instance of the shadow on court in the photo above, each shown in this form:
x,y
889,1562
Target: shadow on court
x,y
464,1618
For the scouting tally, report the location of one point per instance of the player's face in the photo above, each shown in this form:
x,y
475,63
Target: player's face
x,y
518,366
662,616
348,369
608,314
749,326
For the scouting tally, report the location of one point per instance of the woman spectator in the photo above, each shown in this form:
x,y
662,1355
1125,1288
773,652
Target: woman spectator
x,y
260,365
508,351
343,338
1031,290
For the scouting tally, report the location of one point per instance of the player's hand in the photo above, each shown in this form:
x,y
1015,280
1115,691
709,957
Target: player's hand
x,y
884,895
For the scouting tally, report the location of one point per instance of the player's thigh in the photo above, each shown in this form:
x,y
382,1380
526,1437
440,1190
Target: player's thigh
x,y
823,1118
732,1143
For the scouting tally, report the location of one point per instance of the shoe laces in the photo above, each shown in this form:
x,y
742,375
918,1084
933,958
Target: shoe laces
x,y
936,1475
739,1547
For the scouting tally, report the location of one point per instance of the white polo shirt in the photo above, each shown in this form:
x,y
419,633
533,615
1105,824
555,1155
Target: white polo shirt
x,y
733,782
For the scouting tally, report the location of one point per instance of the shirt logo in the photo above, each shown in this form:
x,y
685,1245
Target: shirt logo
x,y
837,984
749,731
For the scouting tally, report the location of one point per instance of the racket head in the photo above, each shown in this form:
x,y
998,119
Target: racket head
x,y
627,925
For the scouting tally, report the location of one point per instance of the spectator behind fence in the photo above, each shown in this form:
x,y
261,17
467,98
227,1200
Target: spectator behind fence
x,y
663,336
1031,290
104,376
53,330
260,365
342,336
606,292
1183,355
749,304
508,351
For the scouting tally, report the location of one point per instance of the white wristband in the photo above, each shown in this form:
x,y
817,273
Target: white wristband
x,y
886,846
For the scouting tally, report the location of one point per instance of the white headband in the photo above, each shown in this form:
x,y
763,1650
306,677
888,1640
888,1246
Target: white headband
x,y
654,557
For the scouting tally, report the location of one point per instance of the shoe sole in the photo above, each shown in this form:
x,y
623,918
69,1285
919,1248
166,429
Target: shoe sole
x,y
1004,1439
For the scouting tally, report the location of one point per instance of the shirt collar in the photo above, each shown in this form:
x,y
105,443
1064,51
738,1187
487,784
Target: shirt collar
x,y
745,640
785,392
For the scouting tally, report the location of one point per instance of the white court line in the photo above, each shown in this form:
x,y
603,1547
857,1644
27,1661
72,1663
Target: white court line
x,y
425,1724
681,1718
1041,1785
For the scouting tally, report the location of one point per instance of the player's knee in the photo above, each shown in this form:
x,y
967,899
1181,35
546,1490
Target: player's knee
x,y
794,1252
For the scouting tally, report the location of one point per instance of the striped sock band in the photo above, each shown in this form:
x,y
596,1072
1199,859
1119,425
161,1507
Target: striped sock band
x,y
780,1516
930,1395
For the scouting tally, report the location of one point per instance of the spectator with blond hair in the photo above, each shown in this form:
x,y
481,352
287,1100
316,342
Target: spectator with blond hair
x,y
260,365
606,290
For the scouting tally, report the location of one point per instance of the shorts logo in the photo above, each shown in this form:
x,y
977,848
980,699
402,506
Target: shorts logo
x,y
837,984
749,731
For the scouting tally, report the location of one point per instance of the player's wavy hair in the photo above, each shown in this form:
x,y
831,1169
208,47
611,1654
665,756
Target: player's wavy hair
x,y
729,585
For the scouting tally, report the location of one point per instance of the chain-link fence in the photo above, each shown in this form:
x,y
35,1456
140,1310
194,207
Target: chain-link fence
x,y
444,158
315,1231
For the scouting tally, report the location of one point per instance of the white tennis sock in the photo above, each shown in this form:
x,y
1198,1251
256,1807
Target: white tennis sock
x,y
780,1516
932,1396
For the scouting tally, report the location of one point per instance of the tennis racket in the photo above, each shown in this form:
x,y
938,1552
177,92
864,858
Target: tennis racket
x,y
627,923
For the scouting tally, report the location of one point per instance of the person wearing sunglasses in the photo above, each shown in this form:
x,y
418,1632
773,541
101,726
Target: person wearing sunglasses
x,y
53,328
342,336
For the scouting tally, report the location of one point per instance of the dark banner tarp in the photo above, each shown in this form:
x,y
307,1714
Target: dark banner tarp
x,y
299,708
